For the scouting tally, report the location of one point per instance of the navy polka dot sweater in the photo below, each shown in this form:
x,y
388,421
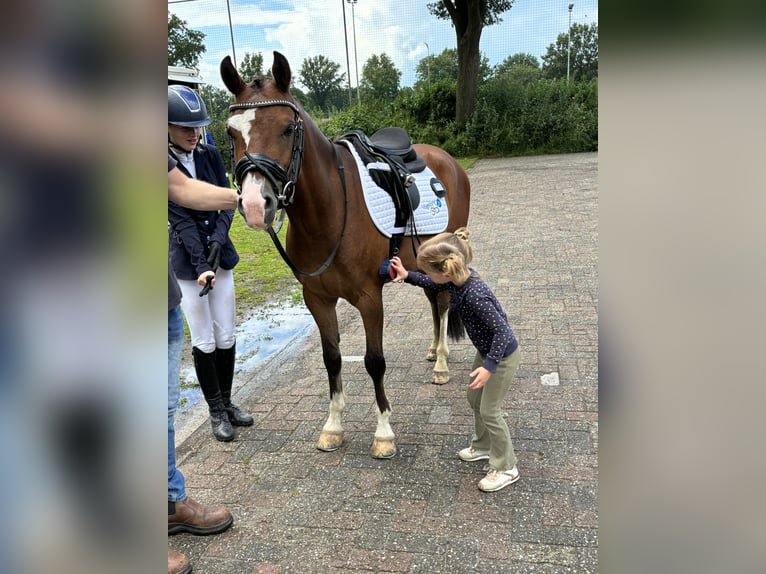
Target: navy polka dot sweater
x,y
485,321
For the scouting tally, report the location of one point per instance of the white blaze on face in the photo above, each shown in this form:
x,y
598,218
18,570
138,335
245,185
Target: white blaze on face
x,y
252,200
242,123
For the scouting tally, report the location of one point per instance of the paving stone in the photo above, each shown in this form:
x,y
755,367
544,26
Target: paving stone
x,y
534,224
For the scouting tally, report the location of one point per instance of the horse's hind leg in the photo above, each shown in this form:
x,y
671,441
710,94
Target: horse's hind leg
x,y
383,445
326,318
439,349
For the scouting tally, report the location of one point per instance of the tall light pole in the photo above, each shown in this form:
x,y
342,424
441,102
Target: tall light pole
x,y
348,66
428,64
569,38
356,58
231,33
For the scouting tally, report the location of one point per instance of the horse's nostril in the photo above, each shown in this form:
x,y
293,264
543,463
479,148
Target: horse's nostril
x,y
269,209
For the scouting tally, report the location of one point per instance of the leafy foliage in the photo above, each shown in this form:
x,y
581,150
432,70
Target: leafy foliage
x,y
184,45
445,65
469,17
367,117
491,9
521,106
380,79
583,54
323,81
518,59
217,102
251,66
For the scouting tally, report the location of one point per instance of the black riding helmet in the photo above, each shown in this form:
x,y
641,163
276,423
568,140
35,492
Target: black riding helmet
x,y
186,108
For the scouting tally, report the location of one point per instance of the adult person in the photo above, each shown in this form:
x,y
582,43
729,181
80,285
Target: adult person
x,y
198,194
200,250
184,514
445,259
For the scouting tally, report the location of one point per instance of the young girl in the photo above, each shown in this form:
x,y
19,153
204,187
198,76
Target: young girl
x,y
445,259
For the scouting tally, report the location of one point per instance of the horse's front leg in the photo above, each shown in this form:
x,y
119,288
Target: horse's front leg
x,y
371,309
324,312
439,349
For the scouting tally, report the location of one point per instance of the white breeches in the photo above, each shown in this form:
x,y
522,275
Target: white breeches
x,y
211,317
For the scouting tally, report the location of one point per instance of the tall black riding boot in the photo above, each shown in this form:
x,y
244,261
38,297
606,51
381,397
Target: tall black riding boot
x,y
224,362
204,364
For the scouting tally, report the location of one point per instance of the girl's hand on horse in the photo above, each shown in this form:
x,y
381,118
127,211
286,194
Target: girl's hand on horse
x,y
482,376
401,272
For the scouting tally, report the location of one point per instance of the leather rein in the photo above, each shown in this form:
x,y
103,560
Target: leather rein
x,y
283,180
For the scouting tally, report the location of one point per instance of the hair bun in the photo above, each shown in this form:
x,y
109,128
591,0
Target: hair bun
x,y
463,233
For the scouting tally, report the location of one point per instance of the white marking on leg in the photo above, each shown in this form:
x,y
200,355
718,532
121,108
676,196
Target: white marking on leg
x,y
442,349
384,429
335,418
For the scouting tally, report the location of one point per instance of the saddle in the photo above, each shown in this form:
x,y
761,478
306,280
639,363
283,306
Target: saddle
x,y
391,161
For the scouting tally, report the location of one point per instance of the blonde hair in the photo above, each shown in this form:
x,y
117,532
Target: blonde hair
x,y
448,252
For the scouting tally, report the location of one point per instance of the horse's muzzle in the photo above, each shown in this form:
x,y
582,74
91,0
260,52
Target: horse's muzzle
x,y
257,204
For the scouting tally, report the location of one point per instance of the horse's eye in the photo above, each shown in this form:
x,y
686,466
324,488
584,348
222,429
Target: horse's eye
x,y
288,130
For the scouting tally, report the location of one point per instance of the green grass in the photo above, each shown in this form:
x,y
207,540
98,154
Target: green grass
x,y
261,276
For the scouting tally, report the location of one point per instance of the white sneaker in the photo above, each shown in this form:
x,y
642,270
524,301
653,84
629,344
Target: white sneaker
x,y
470,454
495,480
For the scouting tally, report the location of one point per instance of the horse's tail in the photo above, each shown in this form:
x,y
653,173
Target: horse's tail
x,y
455,327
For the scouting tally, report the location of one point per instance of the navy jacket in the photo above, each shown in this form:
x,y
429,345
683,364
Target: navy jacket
x,y
190,231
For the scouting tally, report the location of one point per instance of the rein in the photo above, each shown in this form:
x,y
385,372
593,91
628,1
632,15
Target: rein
x,y
329,260
285,180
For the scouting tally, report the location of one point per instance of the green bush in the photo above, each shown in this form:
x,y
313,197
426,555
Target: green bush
x,y
517,113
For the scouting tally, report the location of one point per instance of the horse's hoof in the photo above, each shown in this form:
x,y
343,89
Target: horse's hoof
x,y
330,440
431,356
383,447
440,378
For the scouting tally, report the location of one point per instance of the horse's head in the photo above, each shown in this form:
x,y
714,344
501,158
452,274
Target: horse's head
x,y
266,134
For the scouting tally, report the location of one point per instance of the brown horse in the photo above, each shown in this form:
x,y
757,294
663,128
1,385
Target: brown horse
x,y
333,247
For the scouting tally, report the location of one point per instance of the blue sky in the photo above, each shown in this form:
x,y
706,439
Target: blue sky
x,y
403,29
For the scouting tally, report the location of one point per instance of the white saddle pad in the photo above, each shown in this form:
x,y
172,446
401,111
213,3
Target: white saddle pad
x,y
429,218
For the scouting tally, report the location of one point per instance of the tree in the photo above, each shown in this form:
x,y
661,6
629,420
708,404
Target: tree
x,y
583,54
184,45
444,66
469,17
217,102
519,59
380,78
251,66
438,67
321,78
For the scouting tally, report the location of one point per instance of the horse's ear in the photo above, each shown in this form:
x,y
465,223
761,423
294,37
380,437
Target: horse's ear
x,y
280,71
230,76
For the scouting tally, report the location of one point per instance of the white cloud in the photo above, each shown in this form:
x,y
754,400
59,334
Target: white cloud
x,y
301,29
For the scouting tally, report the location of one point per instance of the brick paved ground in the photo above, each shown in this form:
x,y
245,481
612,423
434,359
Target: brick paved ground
x,y
299,510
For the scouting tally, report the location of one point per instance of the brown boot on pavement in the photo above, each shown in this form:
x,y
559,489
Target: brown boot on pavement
x,y
178,563
196,518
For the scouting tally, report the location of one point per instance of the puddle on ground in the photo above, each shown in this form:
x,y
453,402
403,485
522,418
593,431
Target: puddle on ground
x,y
269,330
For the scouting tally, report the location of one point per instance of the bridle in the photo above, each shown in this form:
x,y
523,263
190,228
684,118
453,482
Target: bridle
x,y
284,180
271,170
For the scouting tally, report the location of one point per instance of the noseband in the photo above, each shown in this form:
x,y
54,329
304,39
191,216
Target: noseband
x,y
276,175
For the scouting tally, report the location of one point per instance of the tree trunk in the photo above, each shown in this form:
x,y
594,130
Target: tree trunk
x,y
469,24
